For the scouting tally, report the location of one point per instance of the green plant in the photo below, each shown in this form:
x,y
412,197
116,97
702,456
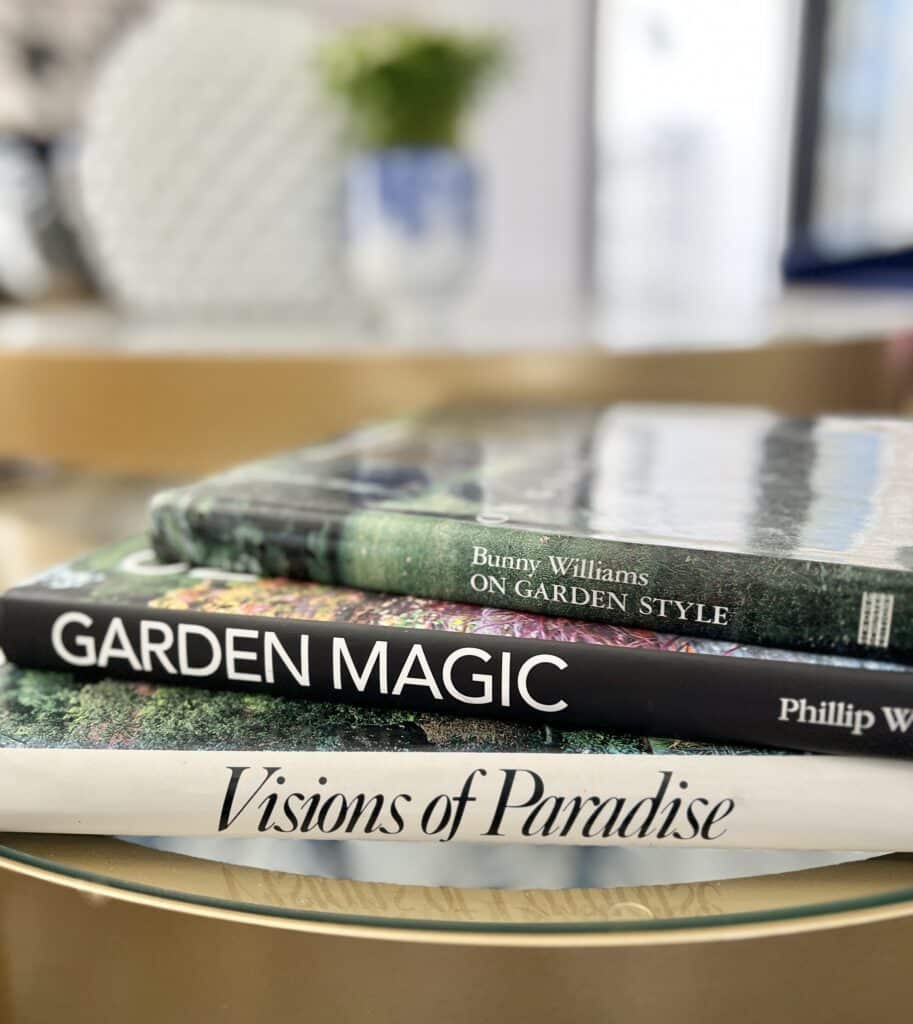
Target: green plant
x,y
408,85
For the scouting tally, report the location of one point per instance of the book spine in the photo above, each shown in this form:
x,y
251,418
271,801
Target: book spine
x,y
783,802
780,703
822,607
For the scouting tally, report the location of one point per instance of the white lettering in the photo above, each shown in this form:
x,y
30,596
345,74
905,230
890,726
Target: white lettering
x,y
149,647
898,719
405,677
300,672
116,644
185,631
483,678
378,654
523,677
85,644
233,655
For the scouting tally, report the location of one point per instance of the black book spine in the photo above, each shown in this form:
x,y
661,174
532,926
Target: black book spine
x,y
779,703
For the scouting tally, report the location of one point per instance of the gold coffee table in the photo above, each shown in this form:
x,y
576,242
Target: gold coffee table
x,y
98,929
82,387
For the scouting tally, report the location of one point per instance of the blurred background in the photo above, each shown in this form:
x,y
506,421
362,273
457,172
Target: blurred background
x,y
631,154
229,226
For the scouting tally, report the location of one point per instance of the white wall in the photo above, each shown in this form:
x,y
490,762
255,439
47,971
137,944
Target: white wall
x,y
534,138
695,130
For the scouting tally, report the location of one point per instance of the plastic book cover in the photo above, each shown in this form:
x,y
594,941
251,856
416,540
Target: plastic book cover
x,y
719,522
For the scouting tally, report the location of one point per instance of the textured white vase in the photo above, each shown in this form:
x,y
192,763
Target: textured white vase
x,y
209,178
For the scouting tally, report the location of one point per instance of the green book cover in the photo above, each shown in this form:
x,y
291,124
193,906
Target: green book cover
x,y
725,523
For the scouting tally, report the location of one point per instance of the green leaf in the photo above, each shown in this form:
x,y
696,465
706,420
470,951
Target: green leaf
x,y
407,85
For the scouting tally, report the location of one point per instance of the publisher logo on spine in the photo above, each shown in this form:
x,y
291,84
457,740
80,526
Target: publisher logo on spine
x,y
875,614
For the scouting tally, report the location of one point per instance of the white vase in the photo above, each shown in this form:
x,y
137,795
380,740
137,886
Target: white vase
x,y
211,169
412,218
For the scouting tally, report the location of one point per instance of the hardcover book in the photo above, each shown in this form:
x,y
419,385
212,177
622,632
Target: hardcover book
x,y
730,524
117,611
140,758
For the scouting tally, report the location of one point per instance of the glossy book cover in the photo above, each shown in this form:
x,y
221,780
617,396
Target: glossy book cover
x,y
119,612
726,523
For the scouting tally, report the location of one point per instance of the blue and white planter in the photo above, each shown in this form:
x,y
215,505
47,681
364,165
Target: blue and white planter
x,y
412,226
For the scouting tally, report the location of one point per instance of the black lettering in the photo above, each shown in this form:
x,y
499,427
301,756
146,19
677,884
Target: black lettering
x,y
226,818
577,804
617,803
722,810
326,810
673,807
461,800
692,820
504,804
554,803
290,815
396,815
309,809
444,802
358,805
268,803
644,829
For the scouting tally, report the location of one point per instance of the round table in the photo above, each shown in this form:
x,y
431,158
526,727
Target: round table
x,y
99,929
102,929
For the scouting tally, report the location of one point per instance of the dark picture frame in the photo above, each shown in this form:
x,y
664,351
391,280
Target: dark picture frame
x,y
807,258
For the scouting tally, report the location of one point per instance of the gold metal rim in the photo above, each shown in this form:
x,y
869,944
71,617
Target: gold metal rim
x,y
58,403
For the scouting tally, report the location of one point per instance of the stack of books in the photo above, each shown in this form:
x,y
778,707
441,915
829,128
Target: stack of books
x,y
649,625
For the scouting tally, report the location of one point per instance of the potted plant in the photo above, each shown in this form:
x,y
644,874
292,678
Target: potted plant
x,y
412,194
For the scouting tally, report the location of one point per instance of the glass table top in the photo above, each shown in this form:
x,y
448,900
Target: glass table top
x,y
493,888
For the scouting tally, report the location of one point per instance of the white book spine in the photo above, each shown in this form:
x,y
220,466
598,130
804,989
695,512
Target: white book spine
x,y
784,802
